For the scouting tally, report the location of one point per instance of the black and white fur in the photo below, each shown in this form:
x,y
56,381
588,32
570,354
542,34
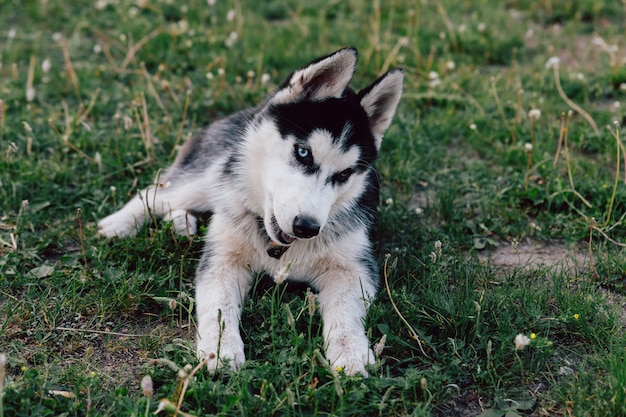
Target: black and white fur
x,y
289,182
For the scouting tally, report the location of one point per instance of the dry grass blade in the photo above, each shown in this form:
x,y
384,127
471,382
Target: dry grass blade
x,y
412,332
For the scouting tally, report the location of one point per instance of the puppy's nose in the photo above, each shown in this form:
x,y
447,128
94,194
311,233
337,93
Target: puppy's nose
x,y
305,227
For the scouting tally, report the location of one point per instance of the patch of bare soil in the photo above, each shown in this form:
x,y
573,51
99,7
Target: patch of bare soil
x,y
535,255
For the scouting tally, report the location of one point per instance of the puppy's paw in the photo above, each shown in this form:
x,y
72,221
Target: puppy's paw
x,y
117,224
183,222
224,353
350,355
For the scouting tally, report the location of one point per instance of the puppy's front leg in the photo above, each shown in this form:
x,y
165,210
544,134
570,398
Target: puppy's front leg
x,y
343,301
222,282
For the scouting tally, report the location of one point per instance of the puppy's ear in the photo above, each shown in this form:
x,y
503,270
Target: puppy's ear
x,y
323,78
380,100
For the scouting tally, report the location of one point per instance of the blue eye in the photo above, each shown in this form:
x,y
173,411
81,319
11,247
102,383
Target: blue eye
x,y
303,152
303,155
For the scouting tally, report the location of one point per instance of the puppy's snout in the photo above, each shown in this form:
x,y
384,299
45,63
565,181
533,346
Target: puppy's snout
x,y
305,227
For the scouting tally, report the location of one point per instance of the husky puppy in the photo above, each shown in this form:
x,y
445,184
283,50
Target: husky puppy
x,y
292,189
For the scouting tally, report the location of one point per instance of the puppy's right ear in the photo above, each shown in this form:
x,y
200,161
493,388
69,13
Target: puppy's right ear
x,y
324,78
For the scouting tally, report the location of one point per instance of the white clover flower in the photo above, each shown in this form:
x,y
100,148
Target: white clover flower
x,y
265,78
211,3
554,61
147,387
438,247
45,65
30,94
528,147
433,75
450,65
481,27
389,201
97,48
433,257
230,16
473,126
534,114
11,34
128,123
521,341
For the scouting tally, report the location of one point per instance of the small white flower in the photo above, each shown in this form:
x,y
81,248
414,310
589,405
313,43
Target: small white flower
x,y
433,75
622,86
378,347
473,126
521,341
419,211
265,78
45,65
389,201
438,246
433,257
211,3
528,147
30,94
11,34
283,274
580,76
450,65
481,27
230,16
616,105
146,386
250,74
554,61
183,25
97,48
27,127
534,114
232,38
434,83
128,123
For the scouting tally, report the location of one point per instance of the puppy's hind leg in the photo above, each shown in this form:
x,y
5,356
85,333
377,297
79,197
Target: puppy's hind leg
x,y
156,202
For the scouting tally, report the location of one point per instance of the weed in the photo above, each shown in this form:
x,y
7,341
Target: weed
x,y
95,97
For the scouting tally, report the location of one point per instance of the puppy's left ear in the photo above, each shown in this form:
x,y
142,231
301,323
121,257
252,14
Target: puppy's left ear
x,y
380,100
324,78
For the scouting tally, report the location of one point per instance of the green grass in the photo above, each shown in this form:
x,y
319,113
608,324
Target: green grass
x,y
83,319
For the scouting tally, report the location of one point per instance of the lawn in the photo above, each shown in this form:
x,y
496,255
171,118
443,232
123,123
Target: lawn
x,y
507,138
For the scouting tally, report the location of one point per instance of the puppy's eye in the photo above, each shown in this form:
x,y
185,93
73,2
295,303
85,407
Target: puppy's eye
x,y
343,176
303,154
